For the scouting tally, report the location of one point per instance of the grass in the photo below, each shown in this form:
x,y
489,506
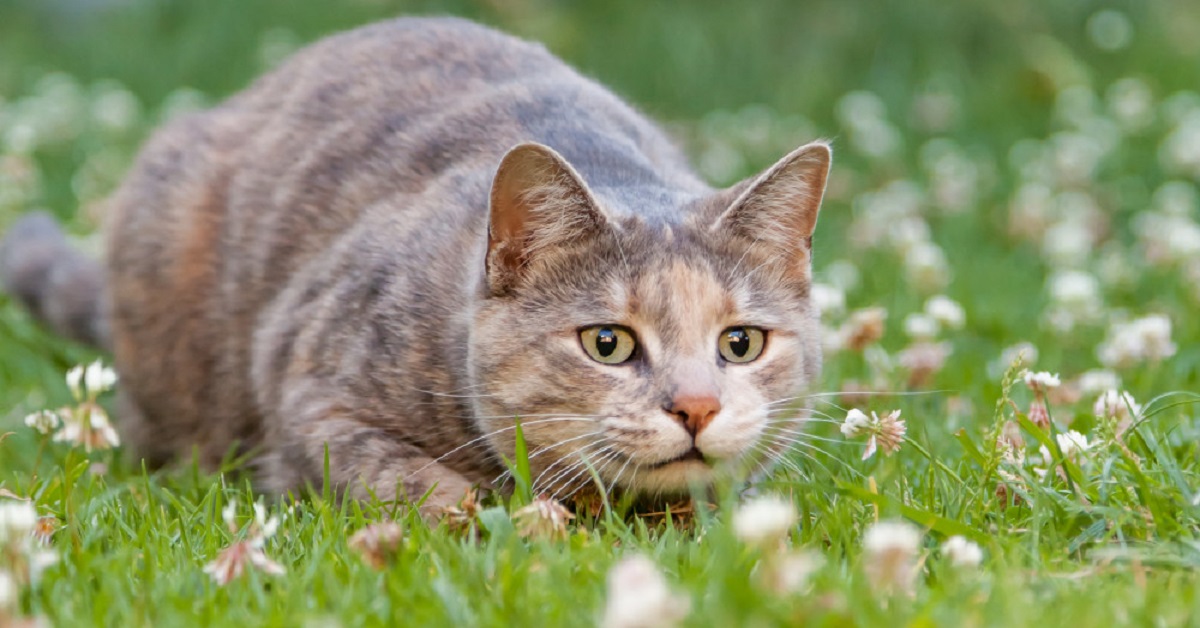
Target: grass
x,y
1015,94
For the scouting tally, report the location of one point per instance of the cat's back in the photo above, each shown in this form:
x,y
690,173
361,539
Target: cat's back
x,y
404,120
420,96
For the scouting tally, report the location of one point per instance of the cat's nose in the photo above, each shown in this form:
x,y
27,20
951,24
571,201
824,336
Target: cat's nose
x,y
694,411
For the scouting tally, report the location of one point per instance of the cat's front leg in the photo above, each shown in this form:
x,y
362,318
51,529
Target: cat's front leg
x,y
364,461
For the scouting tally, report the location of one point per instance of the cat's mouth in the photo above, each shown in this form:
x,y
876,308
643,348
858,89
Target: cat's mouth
x,y
691,454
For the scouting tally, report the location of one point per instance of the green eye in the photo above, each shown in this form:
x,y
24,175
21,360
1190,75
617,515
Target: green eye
x,y
608,344
741,344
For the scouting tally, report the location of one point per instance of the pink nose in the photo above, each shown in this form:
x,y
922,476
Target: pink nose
x,y
695,411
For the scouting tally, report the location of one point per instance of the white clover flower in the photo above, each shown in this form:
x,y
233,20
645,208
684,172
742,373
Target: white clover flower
x,y
1041,381
1110,29
1167,239
863,328
1072,444
923,360
9,593
17,520
1067,244
856,423
926,267
39,562
764,522
827,299
961,552
229,516
88,425
116,108
639,597
1176,198
1031,210
889,536
886,432
1097,380
843,274
946,311
1026,351
232,561
1146,339
791,572
1131,103
543,518
1114,404
920,326
1075,290
378,544
909,232
43,421
1180,150
890,553
98,378
75,381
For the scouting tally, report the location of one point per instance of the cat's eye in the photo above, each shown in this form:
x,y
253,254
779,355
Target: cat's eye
x,y
608,344
741,344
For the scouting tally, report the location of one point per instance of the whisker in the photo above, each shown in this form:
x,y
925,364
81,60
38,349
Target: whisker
x,y
793,444
770,457
816,419
821,397
808,436
601,445
542,450
581,465
615,483
600,465
485,437
452,395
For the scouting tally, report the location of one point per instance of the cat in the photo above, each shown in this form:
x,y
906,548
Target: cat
x,y
385,251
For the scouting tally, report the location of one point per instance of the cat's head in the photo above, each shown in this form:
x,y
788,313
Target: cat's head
x,y
656,352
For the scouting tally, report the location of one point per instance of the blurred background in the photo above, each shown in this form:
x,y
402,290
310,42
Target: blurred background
x,y
1034,160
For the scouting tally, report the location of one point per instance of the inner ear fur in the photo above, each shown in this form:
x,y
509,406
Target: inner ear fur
x,y
778,208
538,203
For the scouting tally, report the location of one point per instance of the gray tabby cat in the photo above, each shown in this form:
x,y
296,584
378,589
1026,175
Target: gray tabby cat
x,y
414,232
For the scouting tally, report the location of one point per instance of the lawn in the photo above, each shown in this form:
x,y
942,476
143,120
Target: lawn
x,y
1016,185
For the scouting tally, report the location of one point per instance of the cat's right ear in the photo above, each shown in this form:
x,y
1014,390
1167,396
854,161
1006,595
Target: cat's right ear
x,y
538,203
777,210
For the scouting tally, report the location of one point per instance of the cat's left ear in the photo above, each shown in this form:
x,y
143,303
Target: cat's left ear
x,y
778,208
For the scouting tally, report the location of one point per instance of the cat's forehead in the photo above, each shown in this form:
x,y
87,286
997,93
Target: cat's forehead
x,y
681,300
684,289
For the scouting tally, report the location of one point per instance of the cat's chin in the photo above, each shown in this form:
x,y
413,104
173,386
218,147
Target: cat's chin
x,y
676,476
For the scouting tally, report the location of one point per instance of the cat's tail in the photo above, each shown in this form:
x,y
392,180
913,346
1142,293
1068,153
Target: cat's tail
x,y
61,286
